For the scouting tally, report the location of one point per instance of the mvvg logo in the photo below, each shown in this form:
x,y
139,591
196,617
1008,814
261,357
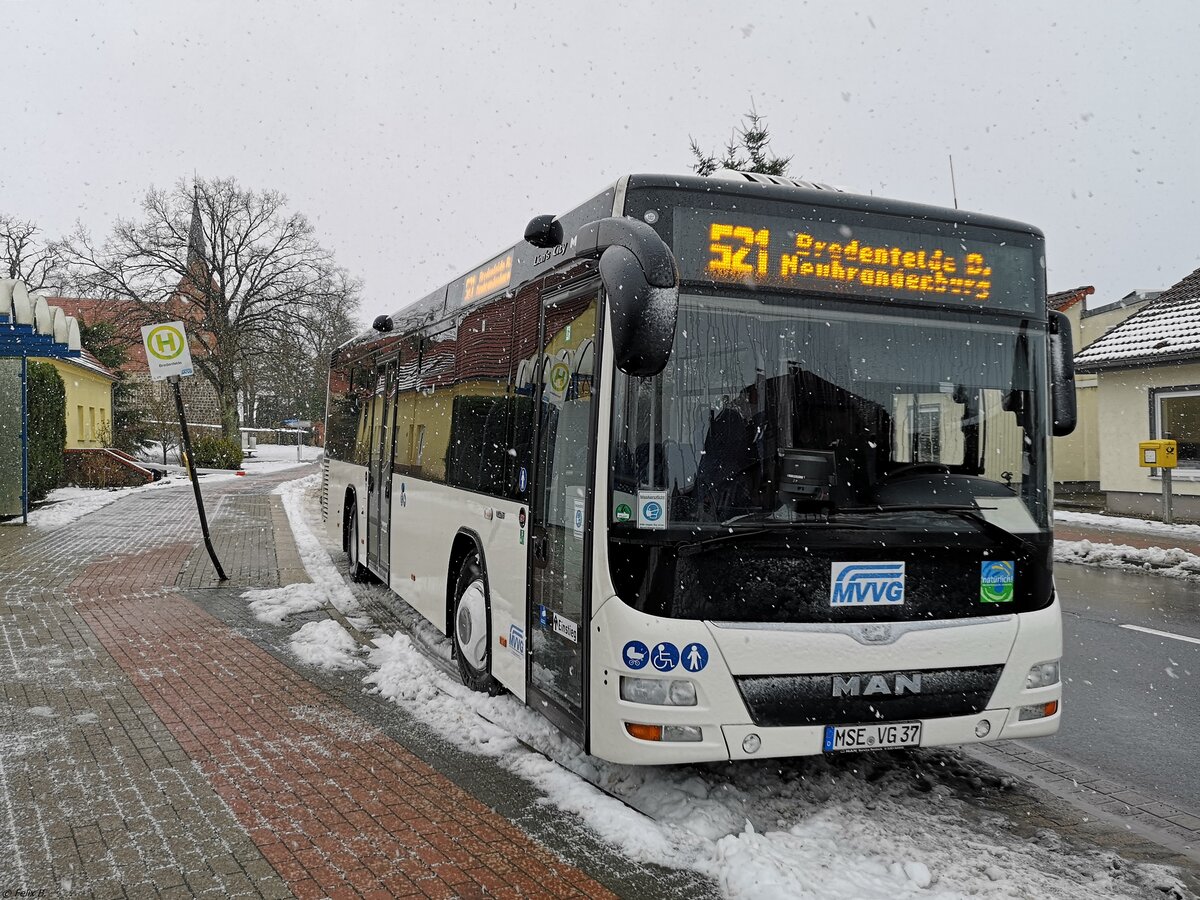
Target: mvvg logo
x,y
867,584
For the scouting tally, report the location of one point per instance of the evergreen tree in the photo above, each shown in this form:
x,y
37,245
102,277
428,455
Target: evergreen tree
x,y
47,429
745,152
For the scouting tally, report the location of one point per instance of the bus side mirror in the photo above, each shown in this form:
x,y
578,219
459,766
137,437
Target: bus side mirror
x,y
544,232
639,276
1062,375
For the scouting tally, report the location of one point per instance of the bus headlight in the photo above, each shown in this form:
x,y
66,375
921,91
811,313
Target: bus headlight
x,y
658,691
1042,675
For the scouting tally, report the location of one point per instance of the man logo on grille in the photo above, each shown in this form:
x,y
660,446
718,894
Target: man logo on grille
x,y
885,684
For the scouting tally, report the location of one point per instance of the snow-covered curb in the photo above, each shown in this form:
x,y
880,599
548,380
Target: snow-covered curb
x,y
1171,562
1122,523
808,829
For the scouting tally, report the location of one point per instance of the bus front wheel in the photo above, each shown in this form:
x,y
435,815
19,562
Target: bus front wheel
x,y
472,646
354,567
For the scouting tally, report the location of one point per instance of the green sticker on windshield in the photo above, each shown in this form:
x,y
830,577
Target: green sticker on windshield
x,y
624,513
996,581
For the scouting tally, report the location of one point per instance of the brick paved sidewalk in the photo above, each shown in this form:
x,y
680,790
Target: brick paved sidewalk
x,y
148,747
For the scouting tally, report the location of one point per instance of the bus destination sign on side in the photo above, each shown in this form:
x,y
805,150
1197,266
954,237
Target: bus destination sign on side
x,y
776,252
487,279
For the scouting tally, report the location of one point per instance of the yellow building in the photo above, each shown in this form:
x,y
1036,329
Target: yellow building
x,y
89,401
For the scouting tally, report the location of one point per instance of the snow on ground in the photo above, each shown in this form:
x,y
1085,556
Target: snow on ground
x,y
268,458
64,505
273,605
872,826
326,645
1172,562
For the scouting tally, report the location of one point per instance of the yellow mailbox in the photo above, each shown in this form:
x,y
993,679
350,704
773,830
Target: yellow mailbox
x,y
1157,454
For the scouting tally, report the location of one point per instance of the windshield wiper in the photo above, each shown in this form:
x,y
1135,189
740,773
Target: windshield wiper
x,y
971,513
772,527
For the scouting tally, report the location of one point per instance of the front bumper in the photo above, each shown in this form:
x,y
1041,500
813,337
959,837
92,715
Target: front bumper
x,y
1016,641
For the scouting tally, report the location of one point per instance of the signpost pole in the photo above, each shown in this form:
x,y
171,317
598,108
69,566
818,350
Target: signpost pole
x,y
191,465
1166,481
24,440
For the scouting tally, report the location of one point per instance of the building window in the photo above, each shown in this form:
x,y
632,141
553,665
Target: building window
x,y
1176,416
82,435
928,433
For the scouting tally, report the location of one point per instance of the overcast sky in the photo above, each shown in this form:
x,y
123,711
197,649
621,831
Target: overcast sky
x,y
421,137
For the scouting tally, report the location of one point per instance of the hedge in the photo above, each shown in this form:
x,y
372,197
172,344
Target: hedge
x,y
47,429
213,451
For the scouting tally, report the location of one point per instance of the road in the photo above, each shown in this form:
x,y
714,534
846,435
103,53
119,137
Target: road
x,y
1131,704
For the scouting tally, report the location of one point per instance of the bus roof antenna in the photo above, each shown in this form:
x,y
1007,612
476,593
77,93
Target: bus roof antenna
x,y
953,187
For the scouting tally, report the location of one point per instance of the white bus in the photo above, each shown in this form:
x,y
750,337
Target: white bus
x,y
725,468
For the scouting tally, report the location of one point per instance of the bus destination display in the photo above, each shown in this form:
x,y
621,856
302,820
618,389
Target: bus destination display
x,y
776,252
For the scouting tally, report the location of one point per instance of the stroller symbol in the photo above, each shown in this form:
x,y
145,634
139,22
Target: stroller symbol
x,y
635,654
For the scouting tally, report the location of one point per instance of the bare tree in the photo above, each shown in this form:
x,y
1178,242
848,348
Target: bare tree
x,y
745,152
24,254
290,378
232,263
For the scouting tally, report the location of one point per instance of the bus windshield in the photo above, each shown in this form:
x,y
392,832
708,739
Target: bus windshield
x,y
791,409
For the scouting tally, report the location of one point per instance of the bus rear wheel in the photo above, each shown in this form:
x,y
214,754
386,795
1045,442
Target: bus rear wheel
x,y
354,567
472,631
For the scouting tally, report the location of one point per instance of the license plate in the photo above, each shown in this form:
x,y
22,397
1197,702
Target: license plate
x,y
885,736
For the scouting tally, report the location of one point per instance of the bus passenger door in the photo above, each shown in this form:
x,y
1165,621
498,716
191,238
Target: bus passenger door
x,y
379,477
559,552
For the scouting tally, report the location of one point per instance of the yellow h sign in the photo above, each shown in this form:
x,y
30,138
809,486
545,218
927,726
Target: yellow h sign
x,y
167,350
165,342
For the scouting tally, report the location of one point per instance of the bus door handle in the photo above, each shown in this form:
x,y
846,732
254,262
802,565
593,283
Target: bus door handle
x,y
541,547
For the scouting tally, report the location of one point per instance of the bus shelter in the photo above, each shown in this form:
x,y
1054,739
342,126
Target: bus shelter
x,y
29,328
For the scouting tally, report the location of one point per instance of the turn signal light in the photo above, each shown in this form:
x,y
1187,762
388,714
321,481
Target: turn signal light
x,y
1040,711
665,732
644,732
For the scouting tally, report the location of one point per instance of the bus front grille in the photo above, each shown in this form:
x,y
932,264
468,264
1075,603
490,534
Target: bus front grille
x,y
853,697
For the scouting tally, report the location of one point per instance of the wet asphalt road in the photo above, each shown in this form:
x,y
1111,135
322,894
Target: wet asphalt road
x,y
1131,699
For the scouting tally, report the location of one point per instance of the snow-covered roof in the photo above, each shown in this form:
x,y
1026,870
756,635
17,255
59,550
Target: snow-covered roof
x,y
1166,330
85,360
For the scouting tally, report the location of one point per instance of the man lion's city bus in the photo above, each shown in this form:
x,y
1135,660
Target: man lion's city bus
x,y
725,468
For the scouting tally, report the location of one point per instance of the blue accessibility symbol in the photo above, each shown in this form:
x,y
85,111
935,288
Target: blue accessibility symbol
x,y
652,511
665,656
635,654
522,479
695,657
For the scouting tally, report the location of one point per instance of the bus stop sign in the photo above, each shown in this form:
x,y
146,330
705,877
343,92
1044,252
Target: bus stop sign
x,y
167,350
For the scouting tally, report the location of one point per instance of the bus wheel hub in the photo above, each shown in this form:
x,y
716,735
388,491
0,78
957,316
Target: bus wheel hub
x,y
470,625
